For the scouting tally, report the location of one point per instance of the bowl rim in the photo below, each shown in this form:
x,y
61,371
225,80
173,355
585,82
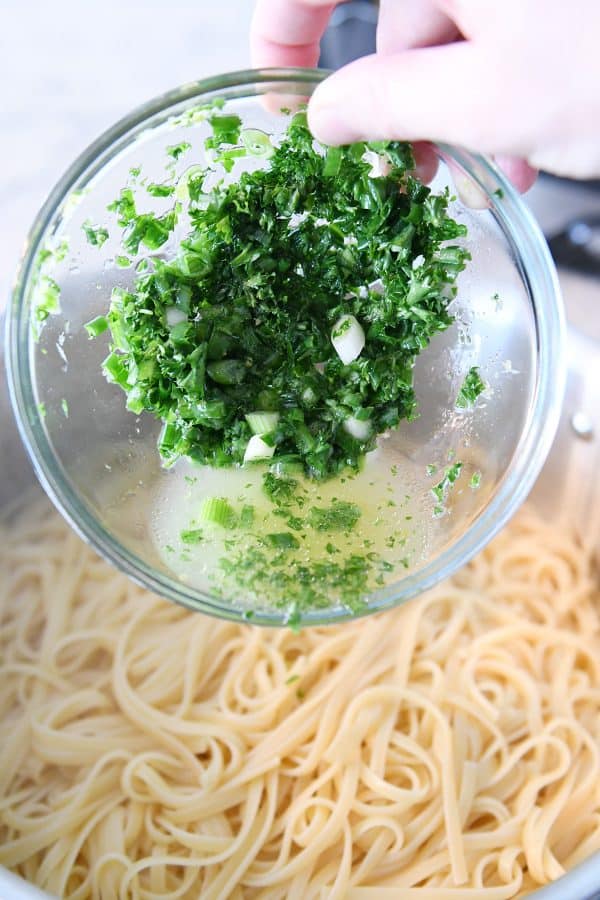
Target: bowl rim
x,y
542,419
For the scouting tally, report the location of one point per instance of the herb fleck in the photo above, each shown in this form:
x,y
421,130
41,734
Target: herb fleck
x,y
472,387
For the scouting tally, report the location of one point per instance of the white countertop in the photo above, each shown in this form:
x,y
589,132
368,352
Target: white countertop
x,y
69,69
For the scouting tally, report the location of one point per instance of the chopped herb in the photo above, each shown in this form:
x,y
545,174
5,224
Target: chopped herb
x,y
145,228
65,407
298,585
256,142
46,302
41,407
177,150
472,387
475,481
294,620
122,261
225,130
95,235
192,536
499,193
283,540
247,516
96,326
340,516
61,250
440,490
311,228
292,679
280,489
160,190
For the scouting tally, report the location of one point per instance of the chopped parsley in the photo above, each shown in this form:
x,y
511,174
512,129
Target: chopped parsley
x,y
471,388
240,320
142,228
160,190
475,481
96,326
192,536
96,235
280,489
440,490
340,516
282,540
177,150
247,516
297,585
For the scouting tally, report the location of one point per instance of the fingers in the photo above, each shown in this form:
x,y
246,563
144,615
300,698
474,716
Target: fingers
x,y
288,32
424,94
517,170
426,161
404,24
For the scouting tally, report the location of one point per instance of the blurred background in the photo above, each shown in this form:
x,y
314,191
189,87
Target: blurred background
x,y
70,68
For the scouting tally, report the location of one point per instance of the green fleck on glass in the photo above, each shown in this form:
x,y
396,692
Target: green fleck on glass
x,y
340,516
472,387
96,235
177,150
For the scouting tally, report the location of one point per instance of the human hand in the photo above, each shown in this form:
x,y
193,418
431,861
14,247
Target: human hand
x,y
519,79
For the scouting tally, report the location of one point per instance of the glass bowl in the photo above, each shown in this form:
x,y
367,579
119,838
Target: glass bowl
x,y
433,493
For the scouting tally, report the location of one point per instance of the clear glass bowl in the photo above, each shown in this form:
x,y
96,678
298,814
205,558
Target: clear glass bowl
x,y
100,465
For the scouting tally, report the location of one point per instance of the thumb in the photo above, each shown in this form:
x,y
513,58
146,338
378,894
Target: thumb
x,y
433,93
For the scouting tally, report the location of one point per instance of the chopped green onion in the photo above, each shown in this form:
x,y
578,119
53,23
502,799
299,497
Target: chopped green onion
x,y
348,338
257,142
257,448
96,326
262,422
174,316
333,162
115,369
218,511
182,191
360,429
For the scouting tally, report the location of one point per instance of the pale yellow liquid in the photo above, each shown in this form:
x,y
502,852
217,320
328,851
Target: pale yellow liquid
x,y
396,523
